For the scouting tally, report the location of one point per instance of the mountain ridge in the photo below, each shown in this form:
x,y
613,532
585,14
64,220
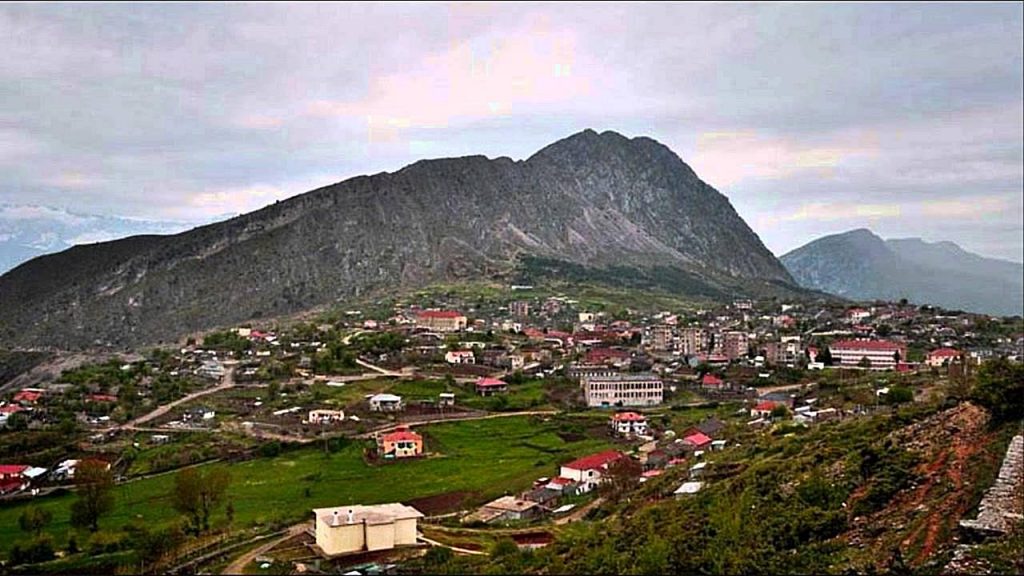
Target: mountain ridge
x,y
597,200
858,264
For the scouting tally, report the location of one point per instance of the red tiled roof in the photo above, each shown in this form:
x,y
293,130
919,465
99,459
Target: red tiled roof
x,y
943,353
697,439
27,396
6,469
877,345
593,461
101,398
561,481
766,405
711,380
628,417
438,314
490,382
401,435
10,409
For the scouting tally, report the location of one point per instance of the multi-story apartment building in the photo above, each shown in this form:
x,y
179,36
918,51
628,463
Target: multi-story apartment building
x,y
693,341
623,390
659,337
734,344
519,308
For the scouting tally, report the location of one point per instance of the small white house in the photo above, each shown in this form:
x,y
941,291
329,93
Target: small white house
x,y
385,403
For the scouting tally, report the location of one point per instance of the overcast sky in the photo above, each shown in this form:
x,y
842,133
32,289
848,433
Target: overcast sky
x,y
811,118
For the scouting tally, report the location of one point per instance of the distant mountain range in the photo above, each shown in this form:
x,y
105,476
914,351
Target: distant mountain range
x,y
591,203
27,231
860,265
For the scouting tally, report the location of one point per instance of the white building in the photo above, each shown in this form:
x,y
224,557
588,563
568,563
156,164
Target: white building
x,y
623,390
350,529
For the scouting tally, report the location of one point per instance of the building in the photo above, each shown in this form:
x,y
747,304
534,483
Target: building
x,y
490,386
402,443
693,341
385,403
446,399
459,357
13,478
763,409
505,509
734,344
325,416
623,390
712,381
519,308
441,320
659,338
942,356
350,529
588,471
629,424
882,354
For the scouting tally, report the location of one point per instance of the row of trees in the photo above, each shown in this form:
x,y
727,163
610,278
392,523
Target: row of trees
x,y
197,494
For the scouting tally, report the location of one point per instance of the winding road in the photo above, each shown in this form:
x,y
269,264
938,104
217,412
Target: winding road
x,y
227,382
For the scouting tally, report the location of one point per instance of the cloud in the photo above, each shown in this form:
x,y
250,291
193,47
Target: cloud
x,y
193,111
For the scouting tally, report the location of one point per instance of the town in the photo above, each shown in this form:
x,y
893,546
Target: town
x,y
451,419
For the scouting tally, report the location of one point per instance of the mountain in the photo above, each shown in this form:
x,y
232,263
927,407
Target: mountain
x,y
860,265
28,231
592,201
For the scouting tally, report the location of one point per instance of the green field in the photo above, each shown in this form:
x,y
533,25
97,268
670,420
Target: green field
x,y
486,456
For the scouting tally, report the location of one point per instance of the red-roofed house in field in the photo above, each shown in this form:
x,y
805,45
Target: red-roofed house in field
x,y
697,441
629,424
7,410
763,409
12,478
881,354
28,396
490,386
441,320
942,356
589,469
402,443
711,381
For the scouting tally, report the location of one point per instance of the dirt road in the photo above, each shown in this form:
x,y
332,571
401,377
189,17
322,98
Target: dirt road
x,y
238,566
578,514
226,383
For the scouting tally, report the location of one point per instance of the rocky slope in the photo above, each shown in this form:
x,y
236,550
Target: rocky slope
x,y
860,265
592,199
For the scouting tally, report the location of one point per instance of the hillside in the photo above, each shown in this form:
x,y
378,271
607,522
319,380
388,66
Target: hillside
x,y
596,201
860,265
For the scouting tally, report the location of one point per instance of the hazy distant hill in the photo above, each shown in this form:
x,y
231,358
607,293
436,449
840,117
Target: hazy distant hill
x,y
594,200
860,265
28,231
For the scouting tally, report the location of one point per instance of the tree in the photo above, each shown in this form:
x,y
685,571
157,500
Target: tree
x,y
34,519
999,386
883,330
899,395
197,495
824,356
864,362
622,476
780,412
94,483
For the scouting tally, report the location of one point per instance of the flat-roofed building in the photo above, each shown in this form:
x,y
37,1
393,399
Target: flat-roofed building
x,y
350,529
623,390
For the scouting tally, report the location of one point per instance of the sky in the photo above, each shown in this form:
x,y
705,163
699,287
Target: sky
x,y
812,118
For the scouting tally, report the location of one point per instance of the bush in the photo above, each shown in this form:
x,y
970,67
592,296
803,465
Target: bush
x,y
38,549
270,449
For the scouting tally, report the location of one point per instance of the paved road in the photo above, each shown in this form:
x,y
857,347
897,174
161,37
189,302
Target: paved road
x,y
227,382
